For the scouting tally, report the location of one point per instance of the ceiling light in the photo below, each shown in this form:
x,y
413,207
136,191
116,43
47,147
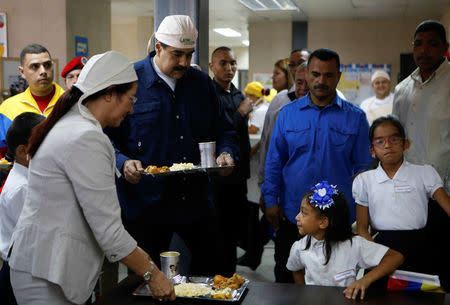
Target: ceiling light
x,y
227,32
270,5
246,42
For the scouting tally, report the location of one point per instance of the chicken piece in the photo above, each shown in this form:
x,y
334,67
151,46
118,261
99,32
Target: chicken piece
x,y
233,282
151,169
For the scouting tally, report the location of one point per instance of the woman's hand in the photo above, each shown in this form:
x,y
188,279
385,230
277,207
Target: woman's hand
x,y
162,289
351,292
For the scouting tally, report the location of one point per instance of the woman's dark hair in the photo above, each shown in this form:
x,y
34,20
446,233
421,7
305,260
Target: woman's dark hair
x,y
339,228
62,106
20,131
390,119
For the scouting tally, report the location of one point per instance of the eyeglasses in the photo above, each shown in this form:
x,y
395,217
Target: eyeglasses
x,y
133,99
394,140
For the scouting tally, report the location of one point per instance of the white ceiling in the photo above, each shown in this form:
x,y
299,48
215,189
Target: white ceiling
x,y
232,14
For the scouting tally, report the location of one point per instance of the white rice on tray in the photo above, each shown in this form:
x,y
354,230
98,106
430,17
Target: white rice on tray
x,y
181,166
191,290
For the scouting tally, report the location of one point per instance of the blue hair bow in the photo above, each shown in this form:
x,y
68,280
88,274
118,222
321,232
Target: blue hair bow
x,y
322,195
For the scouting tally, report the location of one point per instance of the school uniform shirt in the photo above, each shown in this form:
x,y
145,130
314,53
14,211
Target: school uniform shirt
x,y
423,107
71,216
400,203
346,259
11,204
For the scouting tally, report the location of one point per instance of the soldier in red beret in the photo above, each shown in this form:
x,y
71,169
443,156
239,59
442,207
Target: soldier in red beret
x,y
72,70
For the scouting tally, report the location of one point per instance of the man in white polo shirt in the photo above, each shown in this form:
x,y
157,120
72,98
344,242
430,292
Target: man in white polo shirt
x,y
422,103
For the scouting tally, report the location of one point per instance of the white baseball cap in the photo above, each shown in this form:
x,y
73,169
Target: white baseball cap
x,y
104,70
379,73
177,31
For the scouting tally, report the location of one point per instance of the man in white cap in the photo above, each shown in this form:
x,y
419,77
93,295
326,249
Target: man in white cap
x,y
177,108
381,103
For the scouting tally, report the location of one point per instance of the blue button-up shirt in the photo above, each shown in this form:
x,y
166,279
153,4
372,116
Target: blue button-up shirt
x,y
165,128
310,144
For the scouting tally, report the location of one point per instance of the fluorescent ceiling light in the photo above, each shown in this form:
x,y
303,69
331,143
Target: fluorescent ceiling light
x,y
227,32
270,5
246,42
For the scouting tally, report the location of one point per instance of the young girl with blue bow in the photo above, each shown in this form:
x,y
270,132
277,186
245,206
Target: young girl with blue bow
x,y
329,254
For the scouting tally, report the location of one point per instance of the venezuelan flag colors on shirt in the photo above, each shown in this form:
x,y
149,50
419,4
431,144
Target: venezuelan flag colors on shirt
x,y
20,103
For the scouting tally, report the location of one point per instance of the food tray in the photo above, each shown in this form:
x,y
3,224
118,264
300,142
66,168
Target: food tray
x,y
195,169
144,290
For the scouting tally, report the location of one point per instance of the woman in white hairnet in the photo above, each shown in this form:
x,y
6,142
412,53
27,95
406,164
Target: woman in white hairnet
x,y
71,216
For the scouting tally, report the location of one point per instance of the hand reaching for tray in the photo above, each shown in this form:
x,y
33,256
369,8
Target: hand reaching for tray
x,y
162,289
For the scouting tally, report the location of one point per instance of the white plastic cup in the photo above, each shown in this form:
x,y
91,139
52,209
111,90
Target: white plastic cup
x,y
169,263
207,154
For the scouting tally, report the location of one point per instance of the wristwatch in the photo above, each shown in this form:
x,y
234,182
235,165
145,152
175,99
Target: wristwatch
x,y
147,275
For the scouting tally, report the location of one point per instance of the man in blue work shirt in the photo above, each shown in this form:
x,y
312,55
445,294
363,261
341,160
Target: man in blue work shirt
x,y
317,137
176,109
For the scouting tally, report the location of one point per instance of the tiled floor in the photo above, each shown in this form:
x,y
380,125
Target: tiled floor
x,y
264,272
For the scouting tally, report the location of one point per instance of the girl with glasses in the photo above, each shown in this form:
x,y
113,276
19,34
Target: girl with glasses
x,y
393,197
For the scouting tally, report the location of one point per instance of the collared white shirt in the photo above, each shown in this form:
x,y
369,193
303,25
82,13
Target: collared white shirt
x,y
172,82
346,259
400,203
256,117
11,204
375,107
424,110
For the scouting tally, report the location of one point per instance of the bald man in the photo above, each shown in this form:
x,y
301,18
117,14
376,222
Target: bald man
x,y
230,192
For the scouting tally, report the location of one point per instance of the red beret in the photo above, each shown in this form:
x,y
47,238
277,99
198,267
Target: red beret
x,y
76,63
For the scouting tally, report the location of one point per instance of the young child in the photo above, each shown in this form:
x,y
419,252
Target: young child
x,y
393,198
329,254
13,194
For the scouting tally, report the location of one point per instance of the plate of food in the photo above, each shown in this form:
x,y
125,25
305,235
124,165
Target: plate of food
x,y
181,168
218,288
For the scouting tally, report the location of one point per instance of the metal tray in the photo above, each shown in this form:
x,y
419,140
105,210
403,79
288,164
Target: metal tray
x,y
144,290
195,169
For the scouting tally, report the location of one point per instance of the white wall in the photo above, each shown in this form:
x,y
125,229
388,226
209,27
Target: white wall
x,y
446,21
26,23
365,41
130,35
269,42
91,19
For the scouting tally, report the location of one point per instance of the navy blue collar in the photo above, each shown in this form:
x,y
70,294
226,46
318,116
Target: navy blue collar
x,y
151,75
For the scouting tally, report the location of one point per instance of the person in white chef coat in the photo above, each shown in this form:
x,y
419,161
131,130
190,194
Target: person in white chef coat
x,y
71,215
